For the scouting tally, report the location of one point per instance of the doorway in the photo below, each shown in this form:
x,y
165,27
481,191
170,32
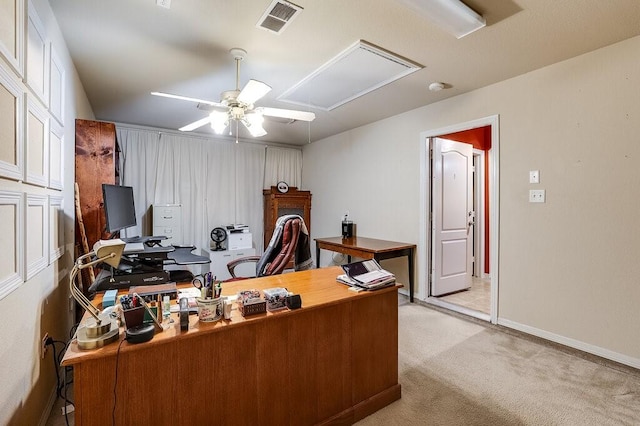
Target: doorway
x,y
476,226
475,291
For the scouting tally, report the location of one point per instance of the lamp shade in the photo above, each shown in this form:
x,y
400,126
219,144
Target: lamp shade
x,y
110,251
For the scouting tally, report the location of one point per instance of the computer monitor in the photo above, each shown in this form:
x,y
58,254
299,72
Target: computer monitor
x,y
118,207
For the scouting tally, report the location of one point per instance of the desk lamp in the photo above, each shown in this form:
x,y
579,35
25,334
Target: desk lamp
x,y
102,328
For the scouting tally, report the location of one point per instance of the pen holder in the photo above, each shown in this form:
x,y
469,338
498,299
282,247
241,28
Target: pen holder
x,y
134,317
209,309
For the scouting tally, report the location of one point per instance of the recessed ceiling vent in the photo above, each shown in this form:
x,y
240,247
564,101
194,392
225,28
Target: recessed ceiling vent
x,y
355,72
278,16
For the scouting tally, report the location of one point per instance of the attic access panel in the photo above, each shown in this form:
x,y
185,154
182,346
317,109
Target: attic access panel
x,y
355,72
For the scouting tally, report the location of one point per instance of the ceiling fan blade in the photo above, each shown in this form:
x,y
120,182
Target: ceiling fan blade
x,y
252,91
195,124
287,113
186,98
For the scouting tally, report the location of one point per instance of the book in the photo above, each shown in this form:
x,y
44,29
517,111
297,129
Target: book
x,y
367,274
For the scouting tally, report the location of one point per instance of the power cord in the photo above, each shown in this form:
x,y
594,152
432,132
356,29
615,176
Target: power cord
x,y
57,358
115,384
61,383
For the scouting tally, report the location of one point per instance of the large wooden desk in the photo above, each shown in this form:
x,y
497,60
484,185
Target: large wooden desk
x,y
334,361
369,248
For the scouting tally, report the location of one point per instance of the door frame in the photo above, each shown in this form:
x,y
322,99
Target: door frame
x,y
424,238
479,227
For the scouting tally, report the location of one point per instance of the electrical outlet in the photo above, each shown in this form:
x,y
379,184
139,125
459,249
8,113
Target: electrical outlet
x,y
536,195
43,348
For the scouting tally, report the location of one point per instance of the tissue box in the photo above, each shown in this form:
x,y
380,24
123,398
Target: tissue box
x,y
109,298
275,298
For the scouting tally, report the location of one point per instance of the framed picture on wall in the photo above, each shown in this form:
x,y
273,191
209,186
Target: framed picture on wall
x,y
37,57
37,234
12,35
12,105
56,158
37,143
12,231
56,87
56,228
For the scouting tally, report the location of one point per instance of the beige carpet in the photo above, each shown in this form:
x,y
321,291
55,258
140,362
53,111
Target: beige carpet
x,y
459,372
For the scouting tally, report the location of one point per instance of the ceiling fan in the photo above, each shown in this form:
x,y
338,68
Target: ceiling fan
x,y
238,106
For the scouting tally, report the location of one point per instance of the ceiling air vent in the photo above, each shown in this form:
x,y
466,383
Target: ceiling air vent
x,y
278,16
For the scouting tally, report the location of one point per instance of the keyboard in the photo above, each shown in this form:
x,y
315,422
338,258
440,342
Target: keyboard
x,y
132,240
133,247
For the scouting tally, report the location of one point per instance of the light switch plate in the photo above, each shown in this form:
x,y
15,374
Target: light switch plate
x,y
537,195
534,176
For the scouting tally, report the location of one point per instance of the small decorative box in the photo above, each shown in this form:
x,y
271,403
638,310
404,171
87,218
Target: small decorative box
x,y
250,302
276,298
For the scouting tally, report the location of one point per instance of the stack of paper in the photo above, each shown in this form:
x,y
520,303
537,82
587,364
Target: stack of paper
x,y
367,274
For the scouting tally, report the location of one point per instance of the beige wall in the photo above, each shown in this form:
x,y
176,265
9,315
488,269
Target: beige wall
x,y
41,304
569,268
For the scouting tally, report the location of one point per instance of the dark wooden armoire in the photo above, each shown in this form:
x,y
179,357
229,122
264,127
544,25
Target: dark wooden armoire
x,y
278,203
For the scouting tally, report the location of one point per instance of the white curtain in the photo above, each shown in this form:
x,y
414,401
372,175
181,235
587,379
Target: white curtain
x,y
282,164
216,182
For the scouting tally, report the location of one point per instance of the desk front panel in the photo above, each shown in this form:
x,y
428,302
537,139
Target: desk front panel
x,y
289,368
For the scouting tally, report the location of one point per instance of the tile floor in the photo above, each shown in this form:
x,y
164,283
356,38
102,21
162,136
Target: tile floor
x,y
478,297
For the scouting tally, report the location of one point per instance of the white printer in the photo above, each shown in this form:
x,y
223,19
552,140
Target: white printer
x,y
238,237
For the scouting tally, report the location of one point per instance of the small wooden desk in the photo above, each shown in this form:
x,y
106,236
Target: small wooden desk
x,y
333,361
368,248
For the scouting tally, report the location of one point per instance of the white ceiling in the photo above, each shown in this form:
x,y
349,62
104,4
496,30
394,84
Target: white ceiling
x,y
124,49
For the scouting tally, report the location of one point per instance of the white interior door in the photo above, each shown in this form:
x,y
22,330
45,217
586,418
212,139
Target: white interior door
x,y
452,216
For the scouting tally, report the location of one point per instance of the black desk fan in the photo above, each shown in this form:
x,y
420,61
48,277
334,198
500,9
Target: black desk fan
x,y
218,236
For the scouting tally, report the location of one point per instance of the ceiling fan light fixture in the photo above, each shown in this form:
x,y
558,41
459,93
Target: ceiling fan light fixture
x,y
219,121
237,105
253,122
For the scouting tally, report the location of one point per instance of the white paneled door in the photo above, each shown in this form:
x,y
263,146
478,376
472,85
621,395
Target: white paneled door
x,y
452,216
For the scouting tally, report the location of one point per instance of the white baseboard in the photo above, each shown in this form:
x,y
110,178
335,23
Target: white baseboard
x,y
572,343
44,417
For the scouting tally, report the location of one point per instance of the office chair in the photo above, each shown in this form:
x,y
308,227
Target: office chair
x,y
290,239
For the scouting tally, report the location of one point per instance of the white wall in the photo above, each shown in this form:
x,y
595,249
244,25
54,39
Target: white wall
x,y
569,268
41,304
